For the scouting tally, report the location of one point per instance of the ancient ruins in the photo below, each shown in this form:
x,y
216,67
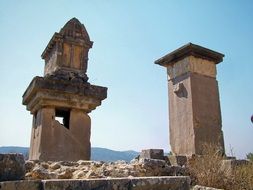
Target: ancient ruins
x,y
60,142
64,93
194,106
61,100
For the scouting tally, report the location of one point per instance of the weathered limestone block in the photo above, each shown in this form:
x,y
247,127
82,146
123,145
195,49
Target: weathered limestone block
x,y
99,184
62,93
152,154
194,106
12,167
21,185
192,64
140,183
161,183
136,183
156,167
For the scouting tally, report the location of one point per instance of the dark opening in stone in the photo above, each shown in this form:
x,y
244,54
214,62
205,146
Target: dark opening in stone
x,y
63,116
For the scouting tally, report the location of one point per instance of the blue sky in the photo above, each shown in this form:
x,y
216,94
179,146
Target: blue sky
x,y
128,37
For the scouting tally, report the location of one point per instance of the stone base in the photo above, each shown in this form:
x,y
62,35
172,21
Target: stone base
x,y
139,183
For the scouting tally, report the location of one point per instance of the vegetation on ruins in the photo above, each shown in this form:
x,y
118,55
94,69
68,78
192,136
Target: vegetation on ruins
x,y
250,156
209,170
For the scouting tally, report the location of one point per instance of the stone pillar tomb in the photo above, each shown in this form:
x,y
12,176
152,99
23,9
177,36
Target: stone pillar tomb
x,y
194,106
61,100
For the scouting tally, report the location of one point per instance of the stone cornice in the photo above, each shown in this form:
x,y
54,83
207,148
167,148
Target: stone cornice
x,y
187,50
53,92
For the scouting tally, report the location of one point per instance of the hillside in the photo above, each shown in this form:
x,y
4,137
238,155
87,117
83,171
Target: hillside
x,y
103,154
97,154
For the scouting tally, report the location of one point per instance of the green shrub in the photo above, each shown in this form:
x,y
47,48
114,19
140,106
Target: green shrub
x,y
250,157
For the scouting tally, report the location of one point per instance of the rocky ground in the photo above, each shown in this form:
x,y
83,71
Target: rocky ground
x,y
93,169
140,173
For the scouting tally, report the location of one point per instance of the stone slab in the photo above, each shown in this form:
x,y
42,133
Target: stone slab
x,y
44,91
21,185
187,50
138,183
161,183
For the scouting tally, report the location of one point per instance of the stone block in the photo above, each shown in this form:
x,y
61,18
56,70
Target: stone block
x,y
177,160
152,154
161,183
138,183
12,167
229,165
98,184
135,183
21,185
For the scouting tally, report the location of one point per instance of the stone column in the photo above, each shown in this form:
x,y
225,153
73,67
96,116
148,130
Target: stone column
x,y
194,106
61,100
41,134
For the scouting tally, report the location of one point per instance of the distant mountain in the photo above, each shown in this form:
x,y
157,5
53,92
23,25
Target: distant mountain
x,y
13,149
108,155
97,154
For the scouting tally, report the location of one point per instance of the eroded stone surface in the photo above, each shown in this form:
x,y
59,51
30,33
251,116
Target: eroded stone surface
x,y
194,65
21,185
152,154
140,183
12,167
93,169
194,106
61,100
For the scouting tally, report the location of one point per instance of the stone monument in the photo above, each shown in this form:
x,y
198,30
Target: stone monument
x,y
61,100
194,106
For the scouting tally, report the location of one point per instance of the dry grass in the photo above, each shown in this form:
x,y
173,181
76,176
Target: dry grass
x,y
242,177
208,170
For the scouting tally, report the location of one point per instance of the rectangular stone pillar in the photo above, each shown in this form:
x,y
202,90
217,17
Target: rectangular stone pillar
x,y
194,107
81,130
41,133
